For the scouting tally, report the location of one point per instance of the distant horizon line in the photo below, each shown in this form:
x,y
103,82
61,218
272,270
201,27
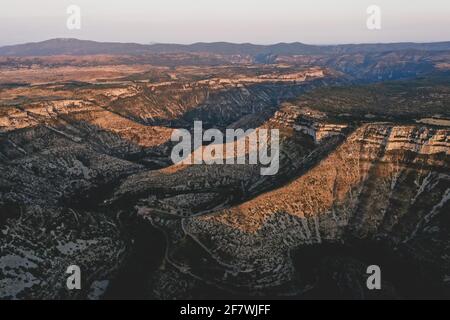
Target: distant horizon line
x,y
150,43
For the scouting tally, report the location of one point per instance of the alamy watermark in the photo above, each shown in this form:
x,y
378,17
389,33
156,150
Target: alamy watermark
x,y
374,280
74,20
253,146
374,20
73,282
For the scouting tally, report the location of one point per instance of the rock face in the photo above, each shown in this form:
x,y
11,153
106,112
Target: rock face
x,y
50,185
65,148
376,185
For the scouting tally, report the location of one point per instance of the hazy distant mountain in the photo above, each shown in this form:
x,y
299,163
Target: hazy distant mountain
x,y
86,47
71,47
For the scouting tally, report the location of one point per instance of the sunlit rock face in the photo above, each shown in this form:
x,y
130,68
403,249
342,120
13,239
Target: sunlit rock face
x,y
66,148
375,186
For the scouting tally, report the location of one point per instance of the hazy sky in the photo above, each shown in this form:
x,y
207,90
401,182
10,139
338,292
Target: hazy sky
x,y
256,21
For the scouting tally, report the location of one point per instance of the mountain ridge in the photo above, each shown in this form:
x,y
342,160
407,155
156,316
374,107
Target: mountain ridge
x,y
73,46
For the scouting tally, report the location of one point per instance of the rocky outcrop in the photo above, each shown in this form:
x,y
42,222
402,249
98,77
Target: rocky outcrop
x,y
371,187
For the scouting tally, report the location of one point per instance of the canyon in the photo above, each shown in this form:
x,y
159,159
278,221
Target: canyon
x,y
87,176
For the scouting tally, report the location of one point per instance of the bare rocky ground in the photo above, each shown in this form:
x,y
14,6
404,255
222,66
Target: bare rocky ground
x,y
87,179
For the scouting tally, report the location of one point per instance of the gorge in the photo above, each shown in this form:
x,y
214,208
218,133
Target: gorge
x,y
87,175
